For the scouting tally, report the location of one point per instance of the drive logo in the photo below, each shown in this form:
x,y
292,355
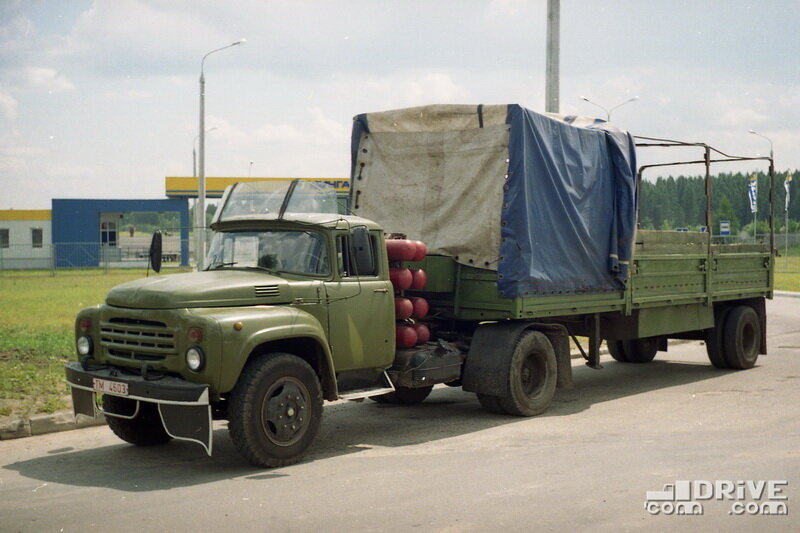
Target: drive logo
x,y
684,497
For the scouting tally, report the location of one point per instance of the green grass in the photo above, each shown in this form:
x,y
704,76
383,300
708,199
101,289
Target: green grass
x,y
787,281
36,338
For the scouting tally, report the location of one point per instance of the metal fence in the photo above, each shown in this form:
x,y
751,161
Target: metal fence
x,y
23,260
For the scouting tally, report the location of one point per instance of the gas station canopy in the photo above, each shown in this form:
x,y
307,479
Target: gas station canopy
x,y
186,187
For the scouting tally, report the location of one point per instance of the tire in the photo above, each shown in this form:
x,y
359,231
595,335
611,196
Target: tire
x,y
404,395
713,337
640,350
491,403
617,350
275,409
532,376
741,337
144,430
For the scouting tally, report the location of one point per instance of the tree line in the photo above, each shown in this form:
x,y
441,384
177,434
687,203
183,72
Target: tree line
x,y
670,203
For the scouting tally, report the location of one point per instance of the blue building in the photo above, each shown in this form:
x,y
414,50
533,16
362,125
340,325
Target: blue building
x,y
79,224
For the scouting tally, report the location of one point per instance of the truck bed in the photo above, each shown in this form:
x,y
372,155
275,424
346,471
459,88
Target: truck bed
x,y
675,270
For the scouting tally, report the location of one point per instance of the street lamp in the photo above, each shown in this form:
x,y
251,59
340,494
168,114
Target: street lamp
x,y
201,188
608,111
194,151
250,169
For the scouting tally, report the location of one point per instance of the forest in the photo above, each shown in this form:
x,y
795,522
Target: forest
x,y
671,203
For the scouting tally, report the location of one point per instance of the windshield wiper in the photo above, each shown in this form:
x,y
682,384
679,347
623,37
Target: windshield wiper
x,y
220,265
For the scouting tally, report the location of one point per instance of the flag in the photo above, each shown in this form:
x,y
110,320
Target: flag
x,y
752,192
786,183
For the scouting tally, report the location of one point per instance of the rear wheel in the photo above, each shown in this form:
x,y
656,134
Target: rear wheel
x,y
275,409
404,395
144,430
532,376
617,350
714,342
491,403
741,337
640,350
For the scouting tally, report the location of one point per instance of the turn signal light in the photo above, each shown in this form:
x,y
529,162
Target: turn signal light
x,y
85,324
195,335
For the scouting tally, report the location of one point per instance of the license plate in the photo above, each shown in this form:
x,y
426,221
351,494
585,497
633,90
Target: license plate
x,y
110,387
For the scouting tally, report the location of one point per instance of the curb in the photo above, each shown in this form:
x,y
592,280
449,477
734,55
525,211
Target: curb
x,y
787,294
44,424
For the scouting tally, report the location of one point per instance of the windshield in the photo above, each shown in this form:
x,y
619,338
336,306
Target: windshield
x,y
276,251
264,199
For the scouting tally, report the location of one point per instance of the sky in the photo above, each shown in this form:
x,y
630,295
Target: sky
x,y
100,99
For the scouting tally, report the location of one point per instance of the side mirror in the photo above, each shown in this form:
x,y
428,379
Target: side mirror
x,y
155,251
362,250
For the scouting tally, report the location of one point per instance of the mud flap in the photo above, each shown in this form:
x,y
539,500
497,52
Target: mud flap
x,y
83,402
188,422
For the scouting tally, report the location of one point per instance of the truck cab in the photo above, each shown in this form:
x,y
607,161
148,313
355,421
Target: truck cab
x,y
294,305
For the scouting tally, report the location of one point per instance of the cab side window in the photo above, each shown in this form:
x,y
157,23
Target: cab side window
x,y
346,261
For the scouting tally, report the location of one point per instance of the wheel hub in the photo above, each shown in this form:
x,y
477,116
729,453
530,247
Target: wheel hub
x,y
284,413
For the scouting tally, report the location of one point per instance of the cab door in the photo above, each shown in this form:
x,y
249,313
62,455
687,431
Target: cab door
x,y
361,309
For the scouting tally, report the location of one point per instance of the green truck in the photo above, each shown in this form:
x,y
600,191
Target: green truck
x,y
529,225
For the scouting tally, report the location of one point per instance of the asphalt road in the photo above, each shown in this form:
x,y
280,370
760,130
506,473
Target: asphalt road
x,y
446,465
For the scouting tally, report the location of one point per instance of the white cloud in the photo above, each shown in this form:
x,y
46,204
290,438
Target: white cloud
x,y
42,78
130,34
8,106
411,89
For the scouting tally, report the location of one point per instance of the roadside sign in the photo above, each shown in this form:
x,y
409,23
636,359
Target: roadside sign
x,y
724,227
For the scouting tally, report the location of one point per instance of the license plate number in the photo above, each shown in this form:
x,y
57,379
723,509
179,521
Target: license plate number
x,y
111,387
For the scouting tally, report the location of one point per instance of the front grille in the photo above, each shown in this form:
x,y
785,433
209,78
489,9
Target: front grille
x,y
133,338
266,290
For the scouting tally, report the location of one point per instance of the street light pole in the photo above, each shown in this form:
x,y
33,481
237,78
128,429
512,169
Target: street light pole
x,y
608,111
772,170
201,178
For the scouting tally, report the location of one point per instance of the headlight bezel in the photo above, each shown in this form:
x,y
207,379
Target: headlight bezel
x,y
84,345
198,359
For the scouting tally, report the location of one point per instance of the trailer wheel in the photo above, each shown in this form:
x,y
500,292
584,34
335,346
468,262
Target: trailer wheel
x,y
640,350
532,376
404,395
144,430
617,350
741,337
713,337
275,409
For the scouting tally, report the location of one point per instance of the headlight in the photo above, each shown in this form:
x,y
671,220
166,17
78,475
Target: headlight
x,y
84,345
195,359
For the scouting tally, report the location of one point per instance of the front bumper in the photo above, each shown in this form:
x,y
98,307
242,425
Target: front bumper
x,y
183,406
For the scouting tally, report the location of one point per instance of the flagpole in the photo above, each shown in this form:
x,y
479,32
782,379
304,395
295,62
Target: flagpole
x,y
786,184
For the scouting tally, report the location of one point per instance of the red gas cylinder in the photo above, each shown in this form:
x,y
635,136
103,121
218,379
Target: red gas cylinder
x,y
418,279
401,278
423,333
419,306
401,249
405,336
403,308
421,251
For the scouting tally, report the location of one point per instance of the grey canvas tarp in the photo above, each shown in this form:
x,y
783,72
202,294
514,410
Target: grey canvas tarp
x,y
546,203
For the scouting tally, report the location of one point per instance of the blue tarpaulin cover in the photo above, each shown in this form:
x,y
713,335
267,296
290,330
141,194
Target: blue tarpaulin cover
x,y
565,212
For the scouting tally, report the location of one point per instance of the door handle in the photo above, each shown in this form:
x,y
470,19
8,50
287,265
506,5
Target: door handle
x,y
380,290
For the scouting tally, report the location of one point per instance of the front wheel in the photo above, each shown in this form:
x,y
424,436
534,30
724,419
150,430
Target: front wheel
x,y
275,410
145,429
